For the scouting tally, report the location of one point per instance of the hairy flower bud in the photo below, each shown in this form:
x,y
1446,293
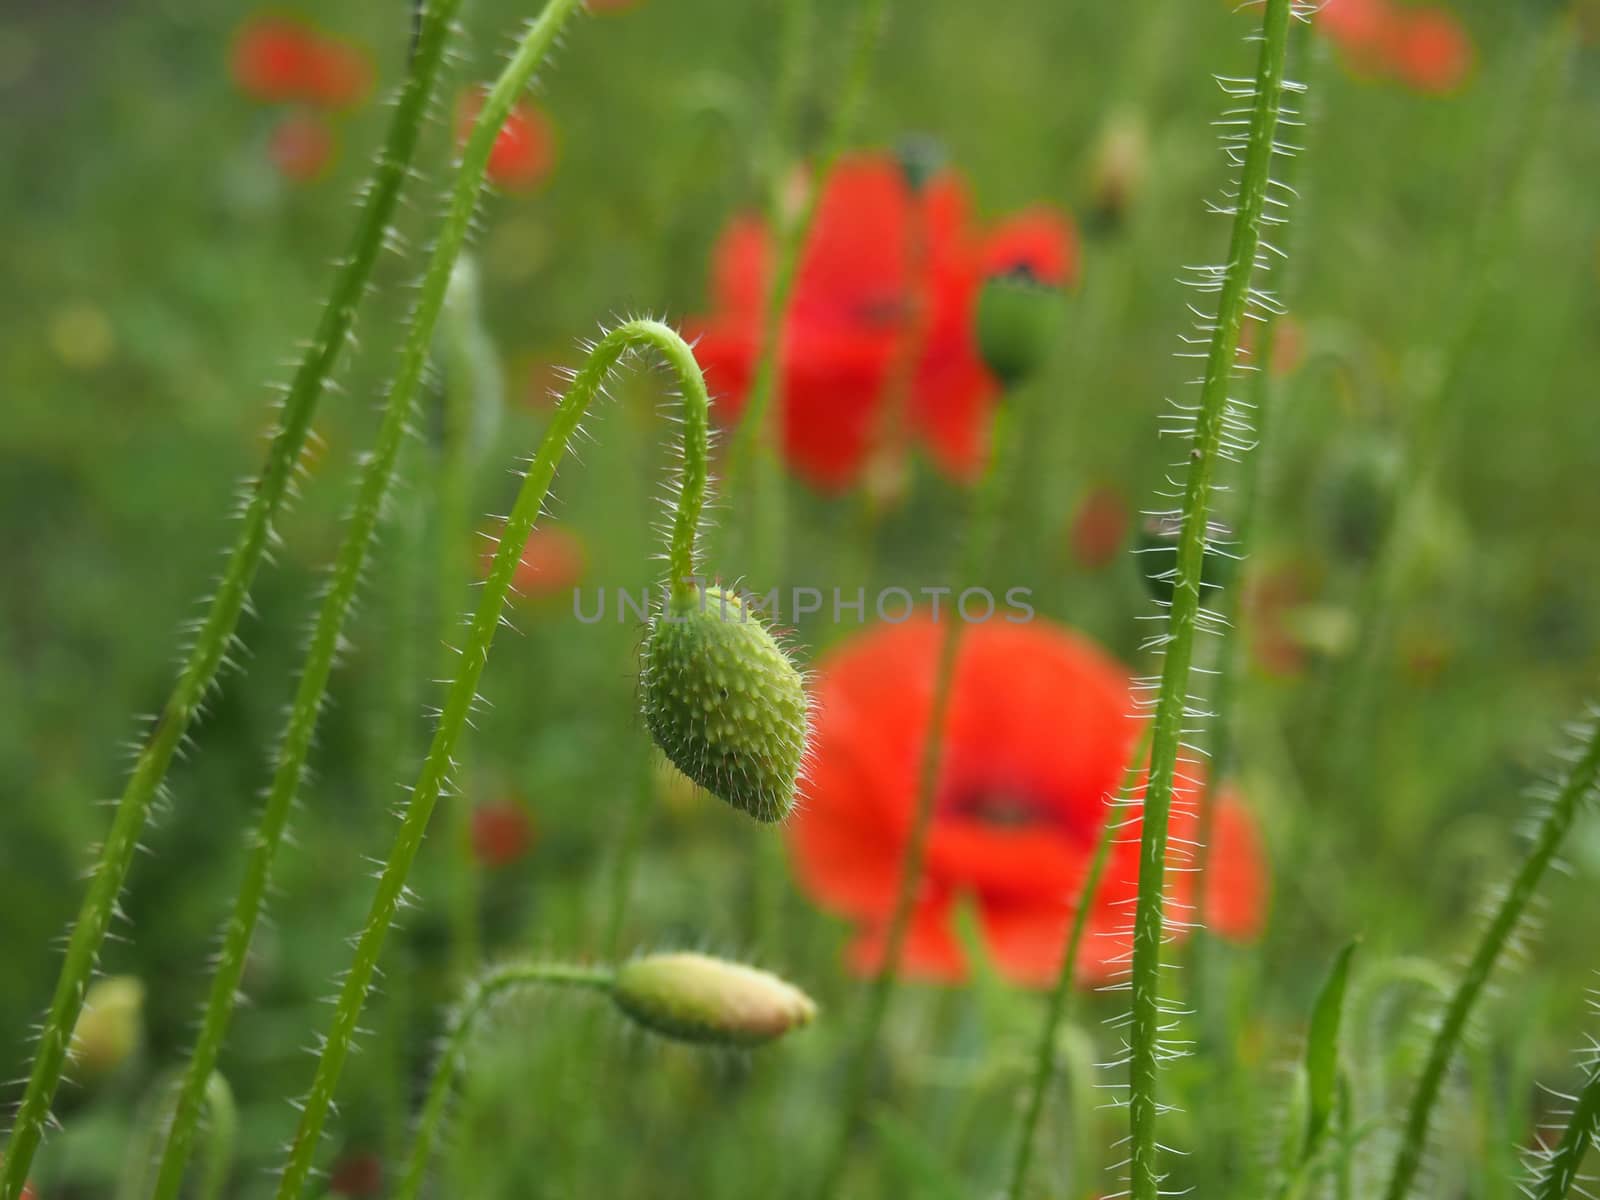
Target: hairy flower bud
x,y
697,998
1018,317
724,703
109,1027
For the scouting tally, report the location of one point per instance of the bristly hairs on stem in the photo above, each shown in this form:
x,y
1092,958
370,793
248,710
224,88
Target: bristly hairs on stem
x,y
752,447
1216,428
216,635
438,767
349,564
1056,1010
1575,789
977,550
481,994
1553,1170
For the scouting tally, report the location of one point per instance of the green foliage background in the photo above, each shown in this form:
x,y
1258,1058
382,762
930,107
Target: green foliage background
x,y
157,274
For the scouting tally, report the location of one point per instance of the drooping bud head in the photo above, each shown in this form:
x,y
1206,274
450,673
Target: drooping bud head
x,y
697,998
724,703
1018,318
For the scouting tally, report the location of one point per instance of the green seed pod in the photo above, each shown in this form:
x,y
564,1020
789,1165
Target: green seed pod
x,y
1357,497
1158,558
697,998
724,703
1018,317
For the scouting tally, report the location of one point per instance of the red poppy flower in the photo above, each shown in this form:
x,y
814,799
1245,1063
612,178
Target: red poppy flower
x,y
271,58
1429,49
279,60
1039,733
337,74
1100,526
553,560
524,152
501,833
877,342
357,1175
301,147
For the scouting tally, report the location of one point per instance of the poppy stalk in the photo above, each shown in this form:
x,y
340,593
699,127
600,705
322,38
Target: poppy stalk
x,y
216,634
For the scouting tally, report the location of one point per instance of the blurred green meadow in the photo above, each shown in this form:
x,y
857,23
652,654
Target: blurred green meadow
x,y
159,272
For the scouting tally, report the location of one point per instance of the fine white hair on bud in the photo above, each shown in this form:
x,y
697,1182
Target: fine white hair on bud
x,y
697,998
723,701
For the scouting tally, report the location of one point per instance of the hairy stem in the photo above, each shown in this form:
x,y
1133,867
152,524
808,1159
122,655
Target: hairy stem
x,y
980,539
217,630
1578,785
349,564
481,995
439,763
1561,1171
753,441
1174,708
1044,1068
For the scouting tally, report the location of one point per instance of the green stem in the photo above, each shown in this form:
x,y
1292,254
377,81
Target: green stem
x,y
439,763
979,542
1578,785
1044,1069
465,1023
754,437
1560,1172
349,565
217,632
1174,707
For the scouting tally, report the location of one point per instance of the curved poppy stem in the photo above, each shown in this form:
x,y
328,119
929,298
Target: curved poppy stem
x,y
216,635
480,996
1578,786
1174,707
1044,1068
349,565
439,763
980,540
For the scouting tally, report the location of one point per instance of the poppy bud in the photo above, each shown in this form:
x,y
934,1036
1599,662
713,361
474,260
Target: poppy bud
x,y
1358,498
697,998
1158,557
1117,170
1017,319
920,156
108,1028
724,703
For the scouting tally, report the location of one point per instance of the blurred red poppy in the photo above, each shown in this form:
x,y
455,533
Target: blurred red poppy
x,y
279,60
877,342
502,832
1100,526
270,58
553,560
1427,49
301,147
1039,734
357,1175
524,152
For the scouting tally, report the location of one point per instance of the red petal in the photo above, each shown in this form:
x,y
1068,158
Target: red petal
x,y
1039,239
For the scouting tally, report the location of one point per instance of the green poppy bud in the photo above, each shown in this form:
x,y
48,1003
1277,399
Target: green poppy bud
x,y
724,703
109,1027
1018,318
1358,497
1158,558
697,998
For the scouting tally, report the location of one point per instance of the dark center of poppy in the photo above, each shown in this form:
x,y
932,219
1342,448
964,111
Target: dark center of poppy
x,y
1000,809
